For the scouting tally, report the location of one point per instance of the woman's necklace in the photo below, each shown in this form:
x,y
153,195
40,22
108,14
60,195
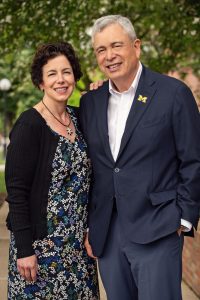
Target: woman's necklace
x,y
68,129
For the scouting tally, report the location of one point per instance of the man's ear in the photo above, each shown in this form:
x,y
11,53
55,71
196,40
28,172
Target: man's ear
x,y
137,43
137,47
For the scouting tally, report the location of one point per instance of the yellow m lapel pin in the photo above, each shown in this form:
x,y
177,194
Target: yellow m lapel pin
x,y
142,98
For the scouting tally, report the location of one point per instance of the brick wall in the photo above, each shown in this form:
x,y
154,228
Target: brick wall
x,y
191,262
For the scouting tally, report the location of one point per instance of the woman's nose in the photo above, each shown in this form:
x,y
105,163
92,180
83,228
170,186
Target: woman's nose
x,y
60,78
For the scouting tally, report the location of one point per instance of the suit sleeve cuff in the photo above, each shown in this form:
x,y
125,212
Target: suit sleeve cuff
x,y
187,225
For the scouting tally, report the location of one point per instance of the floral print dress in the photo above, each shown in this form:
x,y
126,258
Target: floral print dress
x,y
64,269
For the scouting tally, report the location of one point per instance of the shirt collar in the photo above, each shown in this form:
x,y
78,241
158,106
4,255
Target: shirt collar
x,y
133,86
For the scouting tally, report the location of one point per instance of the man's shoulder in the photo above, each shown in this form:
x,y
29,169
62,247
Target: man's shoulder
x,y
165,79
94,94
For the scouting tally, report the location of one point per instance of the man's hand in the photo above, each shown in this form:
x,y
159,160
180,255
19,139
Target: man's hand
x,y
96,85
88,247
179,231
27,267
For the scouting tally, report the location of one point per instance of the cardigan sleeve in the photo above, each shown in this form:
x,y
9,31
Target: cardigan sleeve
x,y
21,162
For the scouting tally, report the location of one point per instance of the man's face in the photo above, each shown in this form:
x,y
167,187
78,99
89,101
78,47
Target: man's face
x,y
117,55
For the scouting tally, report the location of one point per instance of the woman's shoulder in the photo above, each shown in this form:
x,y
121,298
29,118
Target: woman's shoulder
x,y
74,110
30,122
31,117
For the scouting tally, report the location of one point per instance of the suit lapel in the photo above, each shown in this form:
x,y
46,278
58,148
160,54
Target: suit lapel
x,y
101,108
140,104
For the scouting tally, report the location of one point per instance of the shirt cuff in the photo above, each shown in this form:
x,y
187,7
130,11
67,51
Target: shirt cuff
x,y
187,225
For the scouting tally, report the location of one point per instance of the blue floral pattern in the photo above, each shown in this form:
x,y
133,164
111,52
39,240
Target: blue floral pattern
x,y
64,269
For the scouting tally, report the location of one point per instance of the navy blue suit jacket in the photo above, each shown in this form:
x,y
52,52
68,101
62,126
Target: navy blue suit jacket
x,y
156,177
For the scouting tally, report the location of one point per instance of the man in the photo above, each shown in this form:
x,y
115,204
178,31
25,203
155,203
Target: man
x,y
143,133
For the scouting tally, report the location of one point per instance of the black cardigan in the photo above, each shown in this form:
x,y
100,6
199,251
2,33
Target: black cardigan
x,y
27,175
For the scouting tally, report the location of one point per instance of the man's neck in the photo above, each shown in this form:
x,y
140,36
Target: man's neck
x,y
124,85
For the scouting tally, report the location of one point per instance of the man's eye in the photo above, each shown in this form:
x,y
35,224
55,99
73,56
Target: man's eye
x,y
100,51
117,45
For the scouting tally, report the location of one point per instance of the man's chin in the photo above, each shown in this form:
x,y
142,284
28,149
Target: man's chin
x,y
114,75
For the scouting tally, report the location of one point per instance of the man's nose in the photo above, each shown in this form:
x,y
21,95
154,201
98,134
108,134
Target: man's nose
x,y
110,54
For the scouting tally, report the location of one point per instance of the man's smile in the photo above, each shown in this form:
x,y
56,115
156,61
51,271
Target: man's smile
x,y
113,67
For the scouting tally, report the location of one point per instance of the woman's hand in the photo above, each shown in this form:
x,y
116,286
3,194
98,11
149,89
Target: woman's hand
x,y
28,267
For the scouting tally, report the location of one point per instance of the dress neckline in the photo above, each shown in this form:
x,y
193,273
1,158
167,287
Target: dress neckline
x,y
57,133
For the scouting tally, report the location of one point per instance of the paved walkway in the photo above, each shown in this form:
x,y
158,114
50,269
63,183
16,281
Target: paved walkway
x,y
4,244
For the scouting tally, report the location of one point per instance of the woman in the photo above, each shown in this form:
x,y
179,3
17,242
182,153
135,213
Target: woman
x,y
47,178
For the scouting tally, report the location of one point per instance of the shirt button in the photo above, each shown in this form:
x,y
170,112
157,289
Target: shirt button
x,y
117,170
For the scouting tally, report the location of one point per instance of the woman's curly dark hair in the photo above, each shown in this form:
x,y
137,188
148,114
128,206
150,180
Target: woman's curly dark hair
x,y
51,50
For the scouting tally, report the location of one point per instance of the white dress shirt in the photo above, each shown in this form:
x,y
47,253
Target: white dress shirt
x,y
118,109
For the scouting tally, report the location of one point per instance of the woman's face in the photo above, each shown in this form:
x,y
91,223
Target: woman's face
x,y
58,79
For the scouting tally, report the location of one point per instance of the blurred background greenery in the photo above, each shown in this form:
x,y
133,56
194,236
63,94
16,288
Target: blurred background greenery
x,y
169,30
2,183
2,179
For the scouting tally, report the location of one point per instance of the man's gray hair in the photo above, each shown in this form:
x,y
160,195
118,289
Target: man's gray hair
x,y
124,22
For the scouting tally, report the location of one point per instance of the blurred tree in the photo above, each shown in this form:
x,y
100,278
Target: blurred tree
x,y
169,30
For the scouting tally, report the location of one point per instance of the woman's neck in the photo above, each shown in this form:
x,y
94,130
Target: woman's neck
x,y
57,108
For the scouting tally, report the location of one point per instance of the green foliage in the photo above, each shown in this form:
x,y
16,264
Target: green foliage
x,y
2,183
169,31
169,27
2,160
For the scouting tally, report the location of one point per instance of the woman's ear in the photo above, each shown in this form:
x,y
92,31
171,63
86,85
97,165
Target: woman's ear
x,y
41,87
